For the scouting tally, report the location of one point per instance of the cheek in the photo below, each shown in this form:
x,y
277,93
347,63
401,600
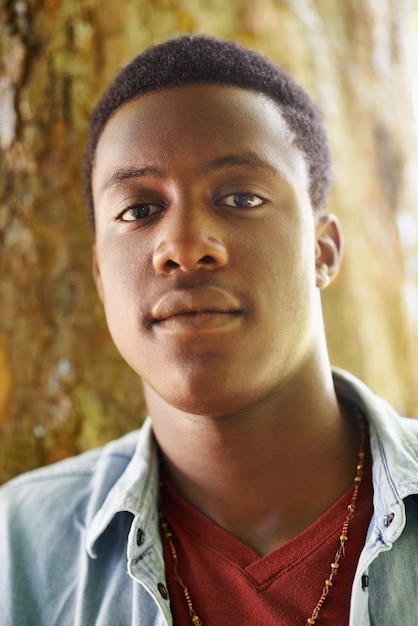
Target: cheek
x,y
286,277
123,280
281,258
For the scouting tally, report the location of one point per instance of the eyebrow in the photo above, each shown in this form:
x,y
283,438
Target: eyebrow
x,y
247,159
124,173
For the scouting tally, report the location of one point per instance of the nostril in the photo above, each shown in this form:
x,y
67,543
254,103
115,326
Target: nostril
x,y
207,260
189,255
170,264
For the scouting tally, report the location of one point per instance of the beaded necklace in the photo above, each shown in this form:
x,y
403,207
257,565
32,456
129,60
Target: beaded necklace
x,y
335,565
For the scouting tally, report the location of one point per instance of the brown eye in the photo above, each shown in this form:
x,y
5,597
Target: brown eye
x,y
139,211
241,201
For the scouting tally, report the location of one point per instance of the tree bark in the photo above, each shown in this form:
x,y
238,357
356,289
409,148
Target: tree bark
x,y
63,387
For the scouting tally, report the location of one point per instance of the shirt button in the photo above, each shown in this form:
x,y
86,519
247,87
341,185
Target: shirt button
x,y
163,591
389,519
140,537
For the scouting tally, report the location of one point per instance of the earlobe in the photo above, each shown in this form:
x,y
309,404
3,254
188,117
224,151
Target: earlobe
x,y
96,275
328,249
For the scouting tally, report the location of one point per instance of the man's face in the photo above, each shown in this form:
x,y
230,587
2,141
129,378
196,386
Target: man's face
x,y
205,246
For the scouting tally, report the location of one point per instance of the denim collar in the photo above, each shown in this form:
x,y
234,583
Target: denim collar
x,y
394,447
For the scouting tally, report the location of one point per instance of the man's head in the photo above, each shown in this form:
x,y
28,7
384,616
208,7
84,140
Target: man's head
x,y
203,59
210,247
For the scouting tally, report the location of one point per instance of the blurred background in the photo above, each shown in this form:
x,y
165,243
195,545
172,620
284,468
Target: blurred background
x,y
63,387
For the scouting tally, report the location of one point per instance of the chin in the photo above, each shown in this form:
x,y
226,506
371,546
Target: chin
x,y
237,399
202,384
198,398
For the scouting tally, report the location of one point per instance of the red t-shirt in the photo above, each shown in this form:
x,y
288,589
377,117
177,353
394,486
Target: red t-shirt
x,y
229,583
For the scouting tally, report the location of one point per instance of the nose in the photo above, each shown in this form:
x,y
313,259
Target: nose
x,y
188,242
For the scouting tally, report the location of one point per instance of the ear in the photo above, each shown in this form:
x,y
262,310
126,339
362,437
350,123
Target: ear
x,y
96,275
328,249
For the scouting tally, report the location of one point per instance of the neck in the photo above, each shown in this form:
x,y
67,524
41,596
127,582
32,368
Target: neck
x,y
264,473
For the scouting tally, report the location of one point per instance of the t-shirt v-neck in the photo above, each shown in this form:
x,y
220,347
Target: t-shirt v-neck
x,y
230,583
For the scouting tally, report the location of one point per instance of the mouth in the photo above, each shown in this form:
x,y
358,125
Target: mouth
x,y
199,308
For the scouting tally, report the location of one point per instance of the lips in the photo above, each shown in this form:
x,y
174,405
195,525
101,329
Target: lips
x,y
201,303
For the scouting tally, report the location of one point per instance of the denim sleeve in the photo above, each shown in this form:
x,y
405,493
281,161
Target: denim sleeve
x,y
41,542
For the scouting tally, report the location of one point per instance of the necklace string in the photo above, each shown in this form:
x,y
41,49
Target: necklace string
x,y
166,530
335,565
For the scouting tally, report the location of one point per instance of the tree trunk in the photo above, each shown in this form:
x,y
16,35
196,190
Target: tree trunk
x,y
63,388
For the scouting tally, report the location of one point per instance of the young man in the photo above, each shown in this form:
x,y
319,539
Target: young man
x,y
264,488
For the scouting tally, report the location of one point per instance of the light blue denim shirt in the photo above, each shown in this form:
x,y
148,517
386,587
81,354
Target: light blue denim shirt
x,y
80,544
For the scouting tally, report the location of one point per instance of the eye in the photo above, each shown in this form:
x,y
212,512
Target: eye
x,y
241,201
139,212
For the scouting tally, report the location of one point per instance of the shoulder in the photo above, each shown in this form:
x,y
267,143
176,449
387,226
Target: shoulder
x,y
380,414
393,440
45,516
66,485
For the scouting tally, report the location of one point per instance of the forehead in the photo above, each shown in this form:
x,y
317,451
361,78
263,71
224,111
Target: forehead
x,y
195,124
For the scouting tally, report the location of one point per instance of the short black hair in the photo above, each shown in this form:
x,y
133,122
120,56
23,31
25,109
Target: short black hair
x,y
205,59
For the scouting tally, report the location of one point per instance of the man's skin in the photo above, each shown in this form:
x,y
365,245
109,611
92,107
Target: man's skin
x,y
209,261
